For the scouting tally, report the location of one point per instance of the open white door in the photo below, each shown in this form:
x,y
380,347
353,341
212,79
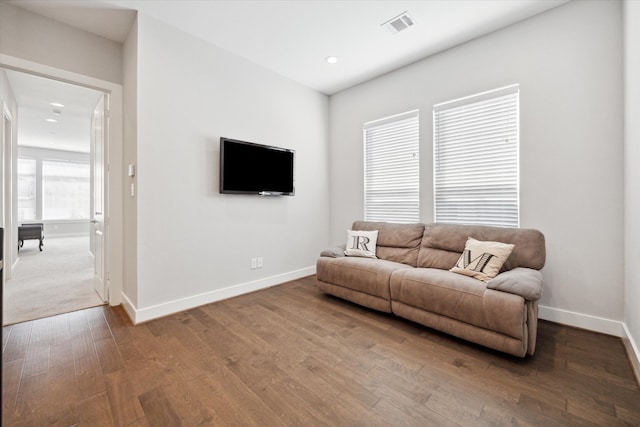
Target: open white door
x,y
97,228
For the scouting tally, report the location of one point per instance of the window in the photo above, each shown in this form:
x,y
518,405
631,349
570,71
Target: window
x,y
65,190
392,169
476,142
26,189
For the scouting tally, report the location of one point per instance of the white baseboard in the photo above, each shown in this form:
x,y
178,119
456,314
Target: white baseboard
x,y
596,324
633,352
50,235
129,307
580,320
565,317
139,315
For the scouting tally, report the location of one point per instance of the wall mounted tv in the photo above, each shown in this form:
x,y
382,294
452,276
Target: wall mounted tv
x,y
249,168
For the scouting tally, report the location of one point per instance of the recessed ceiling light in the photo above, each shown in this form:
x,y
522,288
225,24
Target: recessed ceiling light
x,y
57,104
52,133
331,59
56,112
51,120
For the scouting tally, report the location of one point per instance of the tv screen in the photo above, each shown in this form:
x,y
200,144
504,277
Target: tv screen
x,y
249,168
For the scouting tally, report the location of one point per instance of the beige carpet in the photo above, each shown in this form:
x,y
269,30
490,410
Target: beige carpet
x,y
57,280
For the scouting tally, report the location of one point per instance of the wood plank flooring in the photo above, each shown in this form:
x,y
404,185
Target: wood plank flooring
x,y
290,355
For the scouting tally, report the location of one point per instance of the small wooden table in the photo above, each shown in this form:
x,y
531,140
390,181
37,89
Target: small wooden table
x,y
33,231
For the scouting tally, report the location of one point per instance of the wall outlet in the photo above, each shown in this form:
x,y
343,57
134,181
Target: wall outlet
x,y
254,263
260,262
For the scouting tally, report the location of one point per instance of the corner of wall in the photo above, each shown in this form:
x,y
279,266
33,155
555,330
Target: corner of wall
x,y
129,190
631,43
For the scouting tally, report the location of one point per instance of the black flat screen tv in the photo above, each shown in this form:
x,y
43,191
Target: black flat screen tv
x,y
250,168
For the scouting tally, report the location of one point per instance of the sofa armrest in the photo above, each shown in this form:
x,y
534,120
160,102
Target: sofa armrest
x,y
525,282
335,252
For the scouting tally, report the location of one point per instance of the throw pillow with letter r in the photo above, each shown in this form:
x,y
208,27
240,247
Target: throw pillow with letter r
x,y
361,243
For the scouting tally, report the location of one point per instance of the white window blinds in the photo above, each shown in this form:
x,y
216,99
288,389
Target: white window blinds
x,y
476,141
392,169
65,190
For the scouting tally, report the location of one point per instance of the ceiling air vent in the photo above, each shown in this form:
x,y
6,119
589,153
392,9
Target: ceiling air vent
x,y
398,23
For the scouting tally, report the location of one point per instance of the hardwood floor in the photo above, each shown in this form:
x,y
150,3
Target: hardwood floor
x,y
290,355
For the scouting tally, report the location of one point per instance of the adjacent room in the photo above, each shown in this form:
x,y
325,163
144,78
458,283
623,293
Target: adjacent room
x,y
333,213
54,197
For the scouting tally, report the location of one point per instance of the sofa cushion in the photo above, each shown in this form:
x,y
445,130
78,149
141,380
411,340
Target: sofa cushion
x,y
367,275
396,242
335,252
482,260
460,297
442,245
361,243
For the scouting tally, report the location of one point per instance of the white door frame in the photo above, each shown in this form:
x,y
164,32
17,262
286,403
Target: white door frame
x,y
113,246
7,151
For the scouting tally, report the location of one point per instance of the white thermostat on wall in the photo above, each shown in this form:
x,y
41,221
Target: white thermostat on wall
x,y
132,170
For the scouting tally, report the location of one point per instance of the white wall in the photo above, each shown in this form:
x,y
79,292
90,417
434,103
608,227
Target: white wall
x,y
632,171
130,83
194,244
32,37
568,62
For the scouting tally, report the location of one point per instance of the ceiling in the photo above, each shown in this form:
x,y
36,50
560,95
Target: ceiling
x,y
293,37
289,37
71,128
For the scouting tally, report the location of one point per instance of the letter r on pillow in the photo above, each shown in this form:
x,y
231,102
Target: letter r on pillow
x,y
360,242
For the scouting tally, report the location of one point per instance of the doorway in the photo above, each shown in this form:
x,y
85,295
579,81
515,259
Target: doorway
x,y
54,182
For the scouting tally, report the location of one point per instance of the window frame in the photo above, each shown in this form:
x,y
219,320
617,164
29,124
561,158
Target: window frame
x,y
68,180
374,210
497,212
20,174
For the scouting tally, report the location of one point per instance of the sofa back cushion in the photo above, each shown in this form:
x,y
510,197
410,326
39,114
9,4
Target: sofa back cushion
x,y
396,242
442,245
